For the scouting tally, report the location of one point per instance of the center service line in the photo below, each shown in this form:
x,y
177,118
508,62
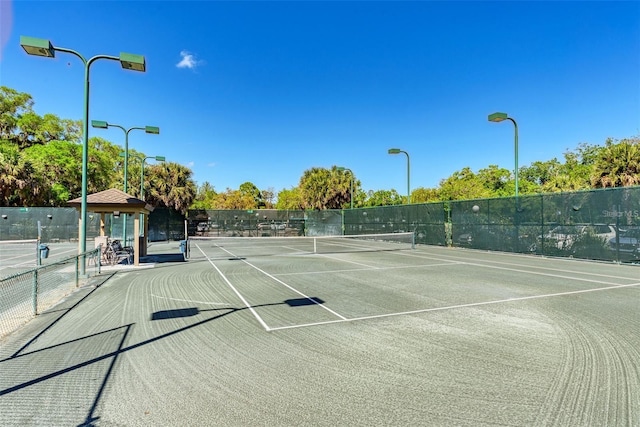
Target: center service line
x,y
284,284
264,325
274,278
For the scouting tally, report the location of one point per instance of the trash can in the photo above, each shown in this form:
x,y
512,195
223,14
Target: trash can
x,y
44,251
142,244
184,249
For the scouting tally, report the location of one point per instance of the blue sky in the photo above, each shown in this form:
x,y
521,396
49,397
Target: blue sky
x,y
262,91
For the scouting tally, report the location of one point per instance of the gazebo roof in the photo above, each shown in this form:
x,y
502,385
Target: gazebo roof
x,y
112,200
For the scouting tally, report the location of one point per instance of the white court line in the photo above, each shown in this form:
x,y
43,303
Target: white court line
x,y
190,301
31,260
452,307
284,284
484,264
370,268
262,322
264,325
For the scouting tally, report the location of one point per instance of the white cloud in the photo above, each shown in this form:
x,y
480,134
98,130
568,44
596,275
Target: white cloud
x,y
190,164
212,164
188,60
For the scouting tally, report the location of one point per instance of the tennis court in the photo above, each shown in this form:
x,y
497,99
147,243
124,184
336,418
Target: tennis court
x,y
17,256
335,332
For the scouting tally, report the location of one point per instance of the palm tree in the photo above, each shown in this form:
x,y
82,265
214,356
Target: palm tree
x,y
170,185
618,164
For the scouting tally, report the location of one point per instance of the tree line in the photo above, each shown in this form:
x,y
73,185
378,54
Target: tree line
x,y
40,165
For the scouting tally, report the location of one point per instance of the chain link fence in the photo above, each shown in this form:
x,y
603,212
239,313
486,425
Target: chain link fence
x,y
28,293
597,224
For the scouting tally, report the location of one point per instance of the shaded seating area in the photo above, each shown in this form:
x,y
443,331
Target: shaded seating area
x,y
112,252
117,202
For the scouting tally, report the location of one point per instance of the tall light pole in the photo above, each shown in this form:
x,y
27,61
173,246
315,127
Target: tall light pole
x,y
498,117
340,168
105,125
398,151
148,129
43,47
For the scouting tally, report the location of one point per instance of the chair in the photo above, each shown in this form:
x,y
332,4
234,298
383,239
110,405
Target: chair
x,y
115,253
102,241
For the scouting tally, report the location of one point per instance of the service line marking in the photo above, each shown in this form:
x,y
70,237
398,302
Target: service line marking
x,y
262,322
453,307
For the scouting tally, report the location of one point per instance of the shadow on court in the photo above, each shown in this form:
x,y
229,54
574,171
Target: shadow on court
x,y
194,311
121,332
162,258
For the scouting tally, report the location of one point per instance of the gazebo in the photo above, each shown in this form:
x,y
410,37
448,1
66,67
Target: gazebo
x,y
117,202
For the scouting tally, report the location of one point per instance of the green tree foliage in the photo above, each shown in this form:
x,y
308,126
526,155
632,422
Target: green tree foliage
x,y
205,197
19,184
57,162
424,195
463,185
41,161
497,181
322,188
617,164
554,176
289,199
235,199
170,185
13,105
383,198
267,197
541,173
250,190
40,165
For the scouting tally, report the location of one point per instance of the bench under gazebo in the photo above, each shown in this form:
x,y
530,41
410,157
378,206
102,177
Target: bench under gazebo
x,y
117,202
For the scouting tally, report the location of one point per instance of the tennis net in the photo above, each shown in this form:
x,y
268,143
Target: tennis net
x,y
17,253
199,247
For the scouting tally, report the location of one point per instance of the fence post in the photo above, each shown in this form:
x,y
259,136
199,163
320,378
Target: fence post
x,y
35,292
77,272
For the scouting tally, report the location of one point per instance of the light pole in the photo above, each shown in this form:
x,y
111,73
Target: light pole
x,y
105,125
148,129
398,151
43,47
340,168
498,117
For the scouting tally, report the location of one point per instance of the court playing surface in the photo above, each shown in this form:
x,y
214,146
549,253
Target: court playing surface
x,y
17,256
281,332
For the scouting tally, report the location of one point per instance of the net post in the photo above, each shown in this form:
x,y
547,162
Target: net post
x,y
413,240
315,245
